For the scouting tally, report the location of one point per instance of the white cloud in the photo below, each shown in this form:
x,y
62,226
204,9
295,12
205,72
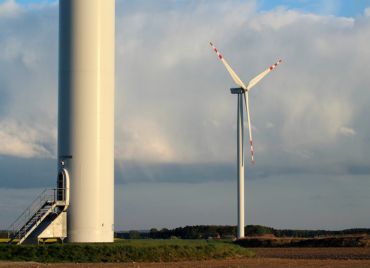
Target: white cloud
x,y
23,140
28,81
367,12
14,49
310,120
346,131
9,9
143,139
270,125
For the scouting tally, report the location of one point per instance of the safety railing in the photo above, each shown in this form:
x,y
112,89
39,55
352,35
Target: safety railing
x,y
47,197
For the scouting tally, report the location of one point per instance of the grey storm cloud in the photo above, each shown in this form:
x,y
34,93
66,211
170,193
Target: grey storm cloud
x,y
21,173
175,117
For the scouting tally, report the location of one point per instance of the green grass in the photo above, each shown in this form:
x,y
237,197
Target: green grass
x,y
145,250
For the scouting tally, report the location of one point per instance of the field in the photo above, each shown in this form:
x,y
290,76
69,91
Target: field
x,y
327,241
126,251
266,257
180,253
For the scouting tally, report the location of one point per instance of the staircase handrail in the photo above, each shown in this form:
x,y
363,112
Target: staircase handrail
x,y
48,194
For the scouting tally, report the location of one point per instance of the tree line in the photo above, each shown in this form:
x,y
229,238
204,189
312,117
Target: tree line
x,y
225,231
228,231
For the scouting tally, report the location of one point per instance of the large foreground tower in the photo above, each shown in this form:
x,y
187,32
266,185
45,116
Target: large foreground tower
x,y
86,116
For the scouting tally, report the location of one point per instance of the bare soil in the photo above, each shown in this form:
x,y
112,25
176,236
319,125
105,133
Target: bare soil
x,y
353,240
340,253
266,257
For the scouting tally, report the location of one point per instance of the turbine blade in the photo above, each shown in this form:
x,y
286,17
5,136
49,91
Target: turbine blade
x,y
246,101
259,77
233,75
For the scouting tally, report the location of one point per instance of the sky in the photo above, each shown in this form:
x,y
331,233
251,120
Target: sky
x,y
175,145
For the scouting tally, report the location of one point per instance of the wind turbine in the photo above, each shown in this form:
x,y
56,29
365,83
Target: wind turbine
x,y
242,92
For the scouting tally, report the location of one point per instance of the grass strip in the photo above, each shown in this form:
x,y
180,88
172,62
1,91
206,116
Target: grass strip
x,y
125,251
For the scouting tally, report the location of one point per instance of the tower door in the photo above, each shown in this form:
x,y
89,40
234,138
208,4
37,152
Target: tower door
x,y
61,185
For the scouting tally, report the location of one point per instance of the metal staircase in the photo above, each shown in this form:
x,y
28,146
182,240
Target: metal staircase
x,y
43,210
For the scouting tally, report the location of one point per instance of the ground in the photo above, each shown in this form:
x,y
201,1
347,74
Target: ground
x,y
266,257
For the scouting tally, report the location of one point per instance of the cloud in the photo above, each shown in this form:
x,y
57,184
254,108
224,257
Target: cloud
x,y
173,105
367,12
346,131
145,140
306,99
9,9
28,81
25,141
25,173
176,119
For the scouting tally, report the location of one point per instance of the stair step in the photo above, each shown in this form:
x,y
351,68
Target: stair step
x,y
33,220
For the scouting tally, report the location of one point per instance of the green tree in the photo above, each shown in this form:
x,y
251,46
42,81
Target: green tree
x,y
134,234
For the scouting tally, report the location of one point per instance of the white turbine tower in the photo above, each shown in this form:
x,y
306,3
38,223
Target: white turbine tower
x,y
242,93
